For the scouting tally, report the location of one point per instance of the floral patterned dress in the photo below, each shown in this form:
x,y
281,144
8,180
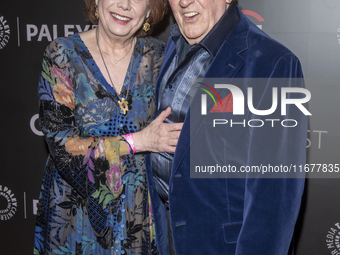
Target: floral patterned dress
x,y
94,197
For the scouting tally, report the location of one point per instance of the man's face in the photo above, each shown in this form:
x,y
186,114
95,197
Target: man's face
x,y
196,18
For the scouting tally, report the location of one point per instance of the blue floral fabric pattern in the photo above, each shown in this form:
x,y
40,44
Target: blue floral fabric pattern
x,y
94,197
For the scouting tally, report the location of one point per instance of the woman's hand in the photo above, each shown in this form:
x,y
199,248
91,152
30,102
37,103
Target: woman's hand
x,y
158,136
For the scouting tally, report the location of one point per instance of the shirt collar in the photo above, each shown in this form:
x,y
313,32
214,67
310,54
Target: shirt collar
x,y
217,35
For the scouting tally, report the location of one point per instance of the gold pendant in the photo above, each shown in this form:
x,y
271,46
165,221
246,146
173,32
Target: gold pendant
x,y
124,105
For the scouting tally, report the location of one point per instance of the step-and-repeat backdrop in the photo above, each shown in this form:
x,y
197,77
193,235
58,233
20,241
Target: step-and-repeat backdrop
x,y
310,28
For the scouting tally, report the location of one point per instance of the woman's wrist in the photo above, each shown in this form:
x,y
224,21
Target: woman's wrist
x,y
140,145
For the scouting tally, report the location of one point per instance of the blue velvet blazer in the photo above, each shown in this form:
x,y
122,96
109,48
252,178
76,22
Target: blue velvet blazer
x,y
227,215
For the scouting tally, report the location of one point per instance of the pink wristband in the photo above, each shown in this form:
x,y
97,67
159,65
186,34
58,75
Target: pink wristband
x,y
129,139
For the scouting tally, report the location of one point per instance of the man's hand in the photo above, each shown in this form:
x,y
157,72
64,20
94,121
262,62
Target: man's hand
x,y
158,136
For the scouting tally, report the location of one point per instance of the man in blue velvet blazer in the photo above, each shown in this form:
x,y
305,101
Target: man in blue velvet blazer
x,y
210,216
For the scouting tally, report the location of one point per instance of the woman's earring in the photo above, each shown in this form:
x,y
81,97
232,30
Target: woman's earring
x,y
146,26
96,14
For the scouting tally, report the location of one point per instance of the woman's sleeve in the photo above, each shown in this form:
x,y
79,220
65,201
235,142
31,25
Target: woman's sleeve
x,y
91,165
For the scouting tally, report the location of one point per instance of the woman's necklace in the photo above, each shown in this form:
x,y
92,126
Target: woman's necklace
x,y
117,60
123,104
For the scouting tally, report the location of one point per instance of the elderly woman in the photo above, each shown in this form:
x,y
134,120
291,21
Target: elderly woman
x,y
96,97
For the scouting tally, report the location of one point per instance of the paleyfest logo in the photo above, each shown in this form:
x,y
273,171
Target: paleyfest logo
x,y
235,103
333,239
11,204
4,32
255,15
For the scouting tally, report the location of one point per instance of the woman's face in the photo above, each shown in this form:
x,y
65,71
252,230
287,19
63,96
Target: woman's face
x,y
122,18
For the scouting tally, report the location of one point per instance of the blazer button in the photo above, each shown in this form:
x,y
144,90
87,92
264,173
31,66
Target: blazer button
x,y
181,224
